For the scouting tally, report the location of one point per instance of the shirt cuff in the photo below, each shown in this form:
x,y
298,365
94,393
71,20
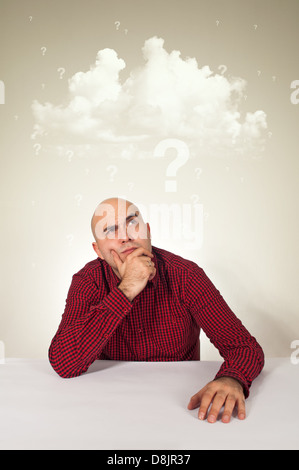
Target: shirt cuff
x,y
117,302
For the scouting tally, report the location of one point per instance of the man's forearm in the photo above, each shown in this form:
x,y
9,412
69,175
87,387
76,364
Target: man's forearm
x,y
77,344
244,365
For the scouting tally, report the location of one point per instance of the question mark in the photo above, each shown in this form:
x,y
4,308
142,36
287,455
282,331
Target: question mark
x,y
78,198
182,157
43,49
198,172
37,148
117,23
30,18
62,71
222,69
255,26
70,238
70,154
217,22
112,169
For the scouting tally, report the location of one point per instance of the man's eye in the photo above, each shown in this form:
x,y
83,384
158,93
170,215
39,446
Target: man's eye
x,y
133,222
110,231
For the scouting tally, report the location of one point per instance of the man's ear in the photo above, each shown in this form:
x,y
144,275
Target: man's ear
x,y
96,249
148,230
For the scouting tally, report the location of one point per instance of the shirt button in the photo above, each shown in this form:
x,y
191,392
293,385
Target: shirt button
x,y
140,330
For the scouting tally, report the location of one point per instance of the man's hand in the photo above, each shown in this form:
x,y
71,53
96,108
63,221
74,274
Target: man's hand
x,y
223,392
137,269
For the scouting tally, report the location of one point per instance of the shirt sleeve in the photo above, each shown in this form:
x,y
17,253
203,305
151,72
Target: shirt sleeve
x,y
243,356
86,326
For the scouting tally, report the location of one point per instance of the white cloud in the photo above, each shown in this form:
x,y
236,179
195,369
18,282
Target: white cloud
x,y
166,97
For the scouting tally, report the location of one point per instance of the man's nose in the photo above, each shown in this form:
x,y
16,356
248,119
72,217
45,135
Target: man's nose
x,y
123,234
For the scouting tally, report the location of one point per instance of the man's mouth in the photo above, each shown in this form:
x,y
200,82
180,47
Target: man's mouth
x,y
128,250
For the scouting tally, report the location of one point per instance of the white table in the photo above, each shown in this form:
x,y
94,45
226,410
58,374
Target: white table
x,y
138,405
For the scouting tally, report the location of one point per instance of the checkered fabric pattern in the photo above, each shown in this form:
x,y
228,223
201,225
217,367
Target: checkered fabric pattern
x,y
162,323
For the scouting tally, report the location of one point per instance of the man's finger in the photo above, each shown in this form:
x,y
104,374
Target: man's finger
x,y
218,402
205,402
117,259
194,401
241,408
153,274
229,406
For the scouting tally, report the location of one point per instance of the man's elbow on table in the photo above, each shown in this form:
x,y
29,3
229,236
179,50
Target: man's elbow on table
x,y
64,367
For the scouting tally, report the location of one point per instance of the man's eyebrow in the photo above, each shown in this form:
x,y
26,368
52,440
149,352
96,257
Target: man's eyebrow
x,y
130,216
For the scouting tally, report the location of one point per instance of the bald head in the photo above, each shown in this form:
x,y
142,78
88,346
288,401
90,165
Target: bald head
x,y
110,213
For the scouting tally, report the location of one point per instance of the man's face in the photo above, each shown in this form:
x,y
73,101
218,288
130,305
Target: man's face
x,y
118,226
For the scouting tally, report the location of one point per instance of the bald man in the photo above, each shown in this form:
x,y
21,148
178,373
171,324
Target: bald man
x,y
137,302
119,230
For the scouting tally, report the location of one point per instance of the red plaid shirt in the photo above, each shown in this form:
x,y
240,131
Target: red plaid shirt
x,y
161,324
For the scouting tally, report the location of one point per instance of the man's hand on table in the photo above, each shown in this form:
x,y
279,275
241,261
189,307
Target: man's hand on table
x,y
223,392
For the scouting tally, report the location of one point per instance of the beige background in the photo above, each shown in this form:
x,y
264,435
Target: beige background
x,y
248,190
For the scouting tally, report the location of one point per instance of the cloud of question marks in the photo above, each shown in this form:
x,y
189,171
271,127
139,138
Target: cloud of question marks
x,y
165,97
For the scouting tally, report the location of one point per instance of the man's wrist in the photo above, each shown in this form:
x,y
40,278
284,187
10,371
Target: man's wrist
x,y
238,382
126,291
